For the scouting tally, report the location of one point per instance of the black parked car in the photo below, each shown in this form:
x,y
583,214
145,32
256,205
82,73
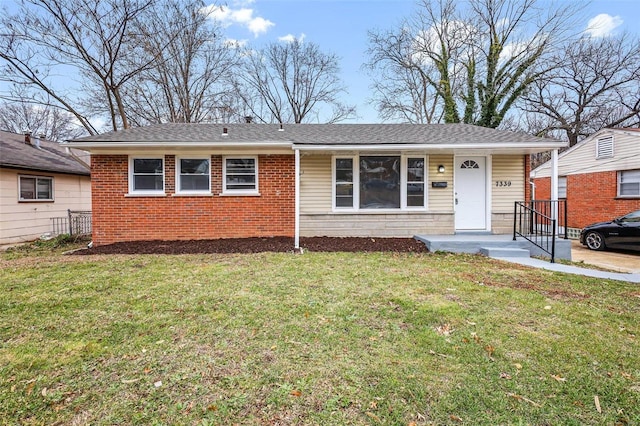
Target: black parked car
x,y
621,233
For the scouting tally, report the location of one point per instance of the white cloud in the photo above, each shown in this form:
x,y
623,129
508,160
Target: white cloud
x,y
602,25
290,38
238,14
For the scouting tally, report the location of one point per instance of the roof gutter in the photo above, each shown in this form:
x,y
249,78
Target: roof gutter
x,y
400,147
226,144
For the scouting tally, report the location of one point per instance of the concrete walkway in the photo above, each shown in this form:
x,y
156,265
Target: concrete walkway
x,y
568,269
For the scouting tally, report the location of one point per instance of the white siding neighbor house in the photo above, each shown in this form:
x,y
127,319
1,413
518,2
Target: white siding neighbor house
x,y
39,180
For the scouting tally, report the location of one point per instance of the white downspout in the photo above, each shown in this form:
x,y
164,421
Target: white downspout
x,y
296,238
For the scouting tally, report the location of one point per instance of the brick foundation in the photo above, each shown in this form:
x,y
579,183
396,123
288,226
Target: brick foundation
x,y
117,217
591,197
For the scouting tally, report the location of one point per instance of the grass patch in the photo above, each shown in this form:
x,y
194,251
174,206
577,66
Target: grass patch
x,y
319,338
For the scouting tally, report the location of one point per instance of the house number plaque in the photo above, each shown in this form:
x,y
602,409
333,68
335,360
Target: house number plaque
x,y
502,183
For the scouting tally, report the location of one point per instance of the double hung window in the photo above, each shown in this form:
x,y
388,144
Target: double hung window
x,y
35,188
146,175
629,183
240,175
193,175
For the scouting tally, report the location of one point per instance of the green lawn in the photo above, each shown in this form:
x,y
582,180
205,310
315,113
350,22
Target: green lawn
x,y
318,338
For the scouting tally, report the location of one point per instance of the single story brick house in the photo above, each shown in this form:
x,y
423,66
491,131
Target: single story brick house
x,y
599,177
206,181
39,180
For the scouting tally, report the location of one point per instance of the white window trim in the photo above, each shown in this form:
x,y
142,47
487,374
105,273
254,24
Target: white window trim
x,y
619,178
178,175
355,208
35,200
141,192
247,192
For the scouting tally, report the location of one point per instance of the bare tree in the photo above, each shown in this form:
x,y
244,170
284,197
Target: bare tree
x,y
477,61
47,39
292,83
54,124
595,84
190,80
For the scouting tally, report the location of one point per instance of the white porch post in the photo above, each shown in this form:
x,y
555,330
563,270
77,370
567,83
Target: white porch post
x,y
554,187
296,238
554,175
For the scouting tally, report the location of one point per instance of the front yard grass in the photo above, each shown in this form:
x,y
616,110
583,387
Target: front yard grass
x,y
319,338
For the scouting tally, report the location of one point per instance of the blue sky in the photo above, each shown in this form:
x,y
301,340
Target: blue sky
x,y
340,27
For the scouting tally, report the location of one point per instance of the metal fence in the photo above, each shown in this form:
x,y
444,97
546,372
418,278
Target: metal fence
x,y
76,222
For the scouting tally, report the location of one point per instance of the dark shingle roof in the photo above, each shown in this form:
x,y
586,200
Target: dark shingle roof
x,y
50,157
317,134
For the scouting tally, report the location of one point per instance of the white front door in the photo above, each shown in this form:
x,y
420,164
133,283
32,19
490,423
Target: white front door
x,y
470,193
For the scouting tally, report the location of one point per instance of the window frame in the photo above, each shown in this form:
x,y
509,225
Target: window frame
x,y
562,178
36,178
620,172
355,207
227,191
132,175
179,174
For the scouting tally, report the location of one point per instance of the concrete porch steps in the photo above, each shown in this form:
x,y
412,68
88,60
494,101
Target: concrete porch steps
x,y
504,252
493,245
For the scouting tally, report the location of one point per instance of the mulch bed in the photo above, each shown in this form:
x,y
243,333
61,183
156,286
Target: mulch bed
x,y
258,245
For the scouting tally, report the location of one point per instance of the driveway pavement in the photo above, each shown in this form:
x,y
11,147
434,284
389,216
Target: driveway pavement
x,y
612,260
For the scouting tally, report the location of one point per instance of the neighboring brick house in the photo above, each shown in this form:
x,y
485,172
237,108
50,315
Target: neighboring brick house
x,y
599,177
206,181
39,180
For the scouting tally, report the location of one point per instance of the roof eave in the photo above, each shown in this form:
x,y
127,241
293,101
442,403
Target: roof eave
x,y
515,146
88,145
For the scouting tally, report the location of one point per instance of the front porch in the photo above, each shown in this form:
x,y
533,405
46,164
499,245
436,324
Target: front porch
x,y
495,245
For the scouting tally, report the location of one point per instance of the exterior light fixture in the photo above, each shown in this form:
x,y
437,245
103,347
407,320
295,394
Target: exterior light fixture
x,y
440,168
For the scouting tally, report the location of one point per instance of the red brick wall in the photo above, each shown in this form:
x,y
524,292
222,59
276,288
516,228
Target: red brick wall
x,y
117,217
591,197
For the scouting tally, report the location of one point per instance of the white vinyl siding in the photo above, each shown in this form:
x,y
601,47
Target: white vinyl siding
x,y
315,184
440,199
507,182
581,158
629,183
20,221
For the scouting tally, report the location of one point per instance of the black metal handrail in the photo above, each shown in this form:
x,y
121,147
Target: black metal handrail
x,y
556,209
535,221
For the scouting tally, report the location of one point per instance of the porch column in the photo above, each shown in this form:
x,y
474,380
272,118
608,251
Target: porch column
x,y
296,232
554,175
554,187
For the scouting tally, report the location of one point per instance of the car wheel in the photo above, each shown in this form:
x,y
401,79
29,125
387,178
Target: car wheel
x,y
594,241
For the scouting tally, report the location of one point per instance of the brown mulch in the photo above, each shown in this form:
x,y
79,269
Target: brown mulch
x,y
258,245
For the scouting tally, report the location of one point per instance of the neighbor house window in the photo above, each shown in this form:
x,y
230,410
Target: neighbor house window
x,y
193,175
369,182
562,187
240,175
35,188
147,175
604,147
629,183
